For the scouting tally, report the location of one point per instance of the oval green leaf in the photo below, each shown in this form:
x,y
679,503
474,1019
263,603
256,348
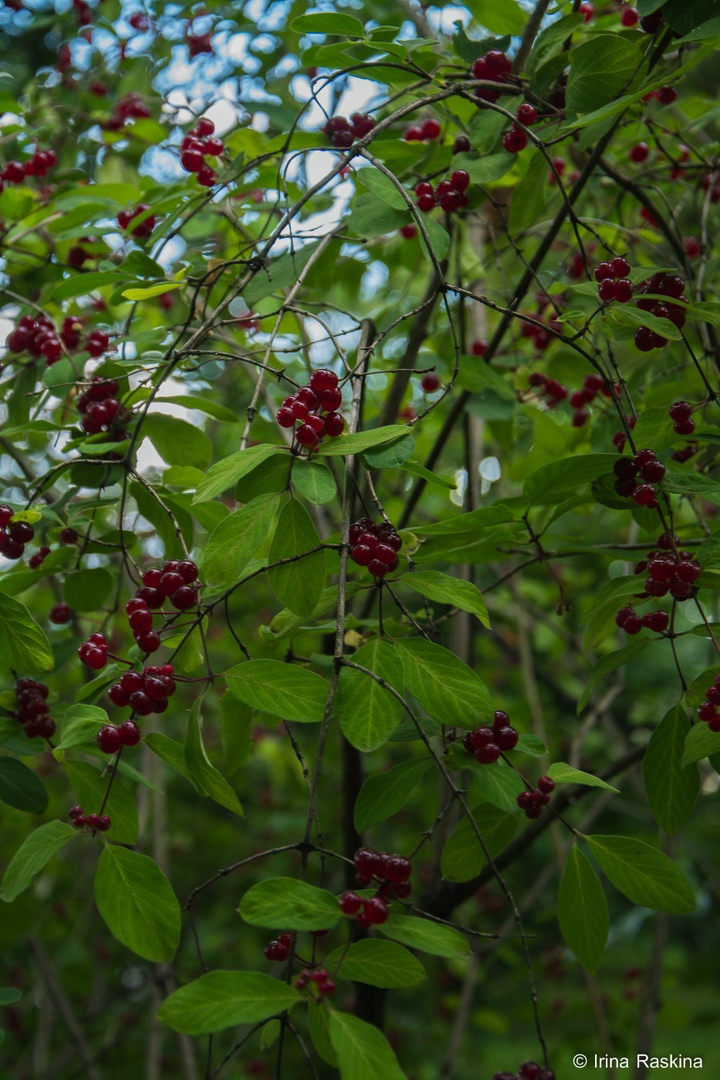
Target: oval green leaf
x,y
137,903
643,874
582,910
290,904
284,690
223,999
378,963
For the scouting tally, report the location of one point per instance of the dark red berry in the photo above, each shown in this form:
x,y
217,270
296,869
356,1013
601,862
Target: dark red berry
x,y
109,739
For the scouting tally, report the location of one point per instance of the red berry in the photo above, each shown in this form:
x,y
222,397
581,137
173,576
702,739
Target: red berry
x,y
515,140
431,129
680,411
129,733
377,568
375,911
103,823
184,598
505,738
623,290
350,903
629,17
397,868
603,272
639,153
426,203
322,380
526,114
546,785
587,10
285,417
486,755
460,180
60,614
148,641
606,290
461,145
109,739
620,266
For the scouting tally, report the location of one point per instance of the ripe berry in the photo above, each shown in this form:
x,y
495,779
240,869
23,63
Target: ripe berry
x,y
60,614
350,903
375,911
505,738
103,823
129,733
546,785
526,114
603,272
629,17
680,411
148,641
109,739
461,145
653,472
656,620
620,266
606,290
377,568
486,755
460,180
431,129
397,868
515,140
639,153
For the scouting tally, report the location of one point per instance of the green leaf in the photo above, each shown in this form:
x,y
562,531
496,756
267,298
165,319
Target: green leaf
x,y
362,440
278,274
200,769
500,18
328,22
700,743
382,187
551,41
177,441
426,936
528,198
284,690
671,787
20,787
224,474
223,999
137,903
8,996
643,874
531,745
83,284
291,904
81,724
319,1027
367,712
582,910
448,590
172,753
446,688
90,787
235,540
362,1050
35,851
485,169
314,481
383,795
298,584
377,963
23,645
148,291
439,239
611,662
600,70
463,857
16,203
391,455
565,774
371,217
634,317
571,473
496,784
87,590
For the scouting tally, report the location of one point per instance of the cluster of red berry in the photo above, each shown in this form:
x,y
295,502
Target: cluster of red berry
x,y
32,709
319,978
426,133
198,43
391,873
613,282
92,822
670,573
532,802
110,738
711,182
342,132
36,334
375,546
14,535
127,108
530,1070
101,409
680,412
173,580
669,287
314,407
708,710
449,195
516,139
636,476
144,228
494,66
541,338
279,950
145,691
657,621
486,744
555,391
40,164
196,146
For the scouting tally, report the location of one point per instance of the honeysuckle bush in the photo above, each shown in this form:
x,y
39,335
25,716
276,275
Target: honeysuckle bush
x,y
359,672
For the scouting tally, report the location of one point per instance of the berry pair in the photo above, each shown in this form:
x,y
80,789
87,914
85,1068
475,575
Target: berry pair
x,y
532,802
129,107
669,288
636,476
486,744
680,412
32,709
613,282
516,139
279,950
429,130
314,408
14,535
93,822
342,132
196,146
708,710
529,1070
145,691
375,546
142,230
318,978
111,738
449,195
35,561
